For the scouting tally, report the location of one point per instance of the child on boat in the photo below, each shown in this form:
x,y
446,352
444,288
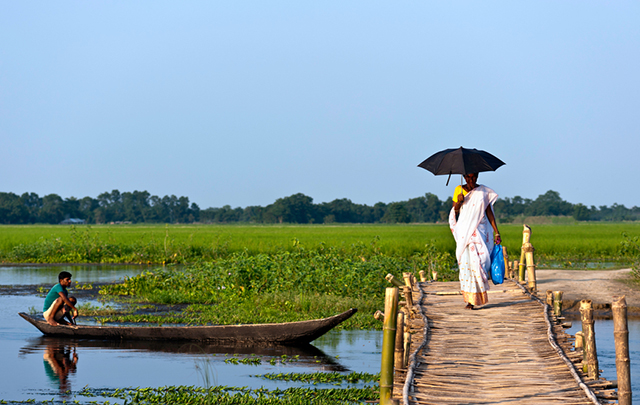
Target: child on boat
x,y
58,304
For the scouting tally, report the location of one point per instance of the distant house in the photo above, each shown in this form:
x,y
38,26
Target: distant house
x,y
73,221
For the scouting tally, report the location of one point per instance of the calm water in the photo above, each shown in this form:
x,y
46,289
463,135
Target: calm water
x,y
607,353
35,367
33,275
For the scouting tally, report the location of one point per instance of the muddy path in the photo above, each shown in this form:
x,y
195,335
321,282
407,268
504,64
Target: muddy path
x,y
600,286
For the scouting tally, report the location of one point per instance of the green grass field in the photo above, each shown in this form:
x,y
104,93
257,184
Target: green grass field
x,y
581,242
240,273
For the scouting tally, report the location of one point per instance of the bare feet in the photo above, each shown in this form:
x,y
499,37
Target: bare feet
x,y
469,306
52,322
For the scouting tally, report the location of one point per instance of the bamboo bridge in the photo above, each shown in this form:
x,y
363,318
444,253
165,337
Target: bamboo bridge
x,y
514,350
503,353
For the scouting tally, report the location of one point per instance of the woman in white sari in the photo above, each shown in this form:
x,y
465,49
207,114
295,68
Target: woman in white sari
x,y
474,228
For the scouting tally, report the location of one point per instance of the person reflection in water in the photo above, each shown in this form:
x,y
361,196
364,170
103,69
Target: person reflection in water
x,y
58,364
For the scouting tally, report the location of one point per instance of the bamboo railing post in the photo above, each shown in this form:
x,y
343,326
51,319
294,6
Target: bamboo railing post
x,y
531,268
621,338
423,276
388,343
408,279
550,299
579,346
557,303
526,238
586,311
521,272
408,297
579,343
398,358
407,291
506,261
407,347
434,274
389,277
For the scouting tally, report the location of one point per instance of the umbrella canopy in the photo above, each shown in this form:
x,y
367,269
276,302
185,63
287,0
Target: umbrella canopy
x,y
461,161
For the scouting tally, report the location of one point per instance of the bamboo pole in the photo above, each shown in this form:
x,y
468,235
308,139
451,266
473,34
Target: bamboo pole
x,y
435,275
579,343
550,298
531,268
398,358
423,276
393,280
522,258
408,279
408,297
516,270
388,343
621,337
557,303
506,261
526,238
407,348
586,311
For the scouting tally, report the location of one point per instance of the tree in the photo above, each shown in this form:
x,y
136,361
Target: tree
x,y
12,209
88,207
297,208
194,213
549,203
135,206
52,211
379,209
71,208
33,203
396,213
342,209
581,213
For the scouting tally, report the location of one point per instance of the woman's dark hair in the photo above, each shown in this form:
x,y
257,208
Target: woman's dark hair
x,y
63,275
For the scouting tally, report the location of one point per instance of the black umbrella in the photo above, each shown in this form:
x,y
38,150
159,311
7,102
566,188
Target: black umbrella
x,y
461,161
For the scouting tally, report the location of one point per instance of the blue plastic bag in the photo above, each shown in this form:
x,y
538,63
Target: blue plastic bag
x,y
497,265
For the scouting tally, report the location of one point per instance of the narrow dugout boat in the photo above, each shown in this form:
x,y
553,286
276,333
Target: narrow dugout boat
x,y
288,333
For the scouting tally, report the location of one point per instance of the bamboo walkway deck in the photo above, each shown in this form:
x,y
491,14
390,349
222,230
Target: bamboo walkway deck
x,y
502,353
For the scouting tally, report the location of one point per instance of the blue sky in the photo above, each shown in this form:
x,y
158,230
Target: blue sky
x,y
241,103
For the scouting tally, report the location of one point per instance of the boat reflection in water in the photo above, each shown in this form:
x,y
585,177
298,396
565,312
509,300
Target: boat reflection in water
x,y
61,356
60,360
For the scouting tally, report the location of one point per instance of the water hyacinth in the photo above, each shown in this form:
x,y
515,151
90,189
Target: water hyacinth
x,y
236,395
281,287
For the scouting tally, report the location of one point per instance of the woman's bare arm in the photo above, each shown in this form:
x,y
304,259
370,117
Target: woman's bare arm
x,y
492,221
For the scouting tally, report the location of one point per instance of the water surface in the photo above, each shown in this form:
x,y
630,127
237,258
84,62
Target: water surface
x,y
41,368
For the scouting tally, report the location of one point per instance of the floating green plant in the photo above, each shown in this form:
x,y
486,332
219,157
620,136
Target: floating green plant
x,y
225,395
333,377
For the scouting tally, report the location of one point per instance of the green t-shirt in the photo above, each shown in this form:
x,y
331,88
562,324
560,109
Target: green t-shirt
x,y
54,293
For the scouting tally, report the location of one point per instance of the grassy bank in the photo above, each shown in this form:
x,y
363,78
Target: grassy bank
x,y
287,273
281,287
156,244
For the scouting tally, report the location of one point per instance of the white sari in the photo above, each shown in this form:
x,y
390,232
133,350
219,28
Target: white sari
x,y
474,242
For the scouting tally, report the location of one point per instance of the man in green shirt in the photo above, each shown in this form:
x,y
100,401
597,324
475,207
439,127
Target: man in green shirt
x,y
57,303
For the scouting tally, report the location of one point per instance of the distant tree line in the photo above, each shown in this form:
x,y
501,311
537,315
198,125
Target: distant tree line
x,y
140,207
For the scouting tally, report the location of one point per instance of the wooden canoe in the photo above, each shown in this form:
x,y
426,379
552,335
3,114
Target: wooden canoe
x,y
289,333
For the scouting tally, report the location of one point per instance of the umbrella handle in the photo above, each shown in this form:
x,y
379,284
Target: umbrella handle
x,y
448,178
